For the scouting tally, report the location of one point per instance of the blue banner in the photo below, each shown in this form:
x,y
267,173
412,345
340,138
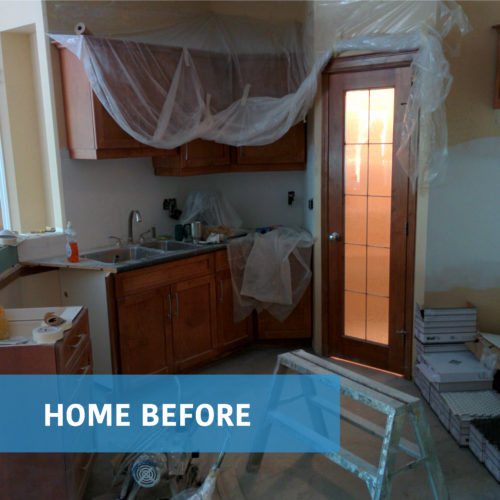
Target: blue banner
x,y
169,413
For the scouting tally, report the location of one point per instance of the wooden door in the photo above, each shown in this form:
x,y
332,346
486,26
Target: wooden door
x,y
367,219
229,333
193,321
144,328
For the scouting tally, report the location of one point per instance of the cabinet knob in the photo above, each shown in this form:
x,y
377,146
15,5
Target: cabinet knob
x,y
334,237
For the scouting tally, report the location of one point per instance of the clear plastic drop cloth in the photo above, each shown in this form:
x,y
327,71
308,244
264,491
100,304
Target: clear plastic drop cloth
x,y
270,271
211,209
245,81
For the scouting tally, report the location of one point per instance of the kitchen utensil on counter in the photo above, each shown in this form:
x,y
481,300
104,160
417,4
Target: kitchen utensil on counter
x,y
187,232
196,230
178,232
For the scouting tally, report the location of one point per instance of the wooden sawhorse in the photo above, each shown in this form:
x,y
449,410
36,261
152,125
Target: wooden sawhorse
x,y
395,404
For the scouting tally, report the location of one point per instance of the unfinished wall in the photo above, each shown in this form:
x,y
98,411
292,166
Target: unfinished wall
x,y
463,263
100,194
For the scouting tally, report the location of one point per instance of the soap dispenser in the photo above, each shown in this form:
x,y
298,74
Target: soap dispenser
x,y
71,244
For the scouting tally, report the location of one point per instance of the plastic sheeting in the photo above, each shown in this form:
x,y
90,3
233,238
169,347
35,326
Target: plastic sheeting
x,y
270,271
211,209
242,81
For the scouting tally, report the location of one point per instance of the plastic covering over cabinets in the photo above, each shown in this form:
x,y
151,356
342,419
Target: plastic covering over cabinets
x,y
242,81
270,271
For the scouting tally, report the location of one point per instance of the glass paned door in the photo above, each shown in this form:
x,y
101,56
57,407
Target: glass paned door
x,y
367,216
368,144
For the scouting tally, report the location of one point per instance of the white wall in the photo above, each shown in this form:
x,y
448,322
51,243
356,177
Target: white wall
x,y
99,195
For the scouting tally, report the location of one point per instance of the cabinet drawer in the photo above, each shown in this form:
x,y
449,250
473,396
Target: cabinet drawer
x,y
142,280
73,344
81,364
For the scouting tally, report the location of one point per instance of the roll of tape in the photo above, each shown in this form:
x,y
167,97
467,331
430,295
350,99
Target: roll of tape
x,y
81,29
47,334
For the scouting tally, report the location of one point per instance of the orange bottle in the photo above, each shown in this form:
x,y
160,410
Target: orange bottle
x,y
71,244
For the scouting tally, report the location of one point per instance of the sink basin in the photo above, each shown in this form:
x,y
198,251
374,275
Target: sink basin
x,y
169,245
119,255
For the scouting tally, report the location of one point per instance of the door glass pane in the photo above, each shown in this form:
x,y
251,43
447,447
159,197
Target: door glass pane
x,y
368,151
380,169
356,169
377,319
379,221
356,121
355,268
355,219
354,314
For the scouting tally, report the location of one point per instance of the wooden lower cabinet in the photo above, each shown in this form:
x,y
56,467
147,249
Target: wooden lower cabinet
x,y
172,317
171,327
297,326
229,333
193,321
144,331
48,476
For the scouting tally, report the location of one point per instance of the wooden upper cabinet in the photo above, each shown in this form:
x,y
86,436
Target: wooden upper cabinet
x,y
195,158
92,133
289,152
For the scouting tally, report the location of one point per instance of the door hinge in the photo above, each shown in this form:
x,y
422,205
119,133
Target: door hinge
x,y
401,332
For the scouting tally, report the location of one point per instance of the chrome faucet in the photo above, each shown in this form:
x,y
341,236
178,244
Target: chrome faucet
x,y
138,218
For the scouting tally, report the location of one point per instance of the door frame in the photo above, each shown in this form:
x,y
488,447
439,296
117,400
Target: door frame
x,y
348,64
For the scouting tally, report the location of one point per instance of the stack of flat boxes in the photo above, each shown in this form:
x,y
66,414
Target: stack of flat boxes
x,y
444,330
484,442
440,338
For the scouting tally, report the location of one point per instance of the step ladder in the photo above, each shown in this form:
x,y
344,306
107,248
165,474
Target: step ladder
x,y
396,405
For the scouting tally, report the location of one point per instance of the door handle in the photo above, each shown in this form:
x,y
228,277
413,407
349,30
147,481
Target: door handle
x,y
169,306
176,304
334,236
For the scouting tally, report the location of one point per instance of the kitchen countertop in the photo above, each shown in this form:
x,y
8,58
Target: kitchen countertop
x,y
94,265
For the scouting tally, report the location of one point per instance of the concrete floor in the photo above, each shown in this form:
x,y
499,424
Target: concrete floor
x,y
313,477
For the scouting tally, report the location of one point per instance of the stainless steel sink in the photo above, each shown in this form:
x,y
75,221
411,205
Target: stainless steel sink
x,y
169,245
119,255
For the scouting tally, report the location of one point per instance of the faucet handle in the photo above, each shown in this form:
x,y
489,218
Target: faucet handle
x,y
141,236
118,241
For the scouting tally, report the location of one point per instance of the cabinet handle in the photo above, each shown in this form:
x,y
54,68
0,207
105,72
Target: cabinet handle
x,y
169,306
186,157
78,344
221,296
176,304
85,369
87,465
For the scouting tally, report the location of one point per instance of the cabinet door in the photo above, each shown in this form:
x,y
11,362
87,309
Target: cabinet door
x,y
229,333
297,325
201,153
290,149
144,327
193,321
